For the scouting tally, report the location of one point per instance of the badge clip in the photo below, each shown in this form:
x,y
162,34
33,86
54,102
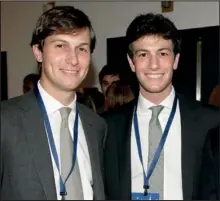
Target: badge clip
x,y
146,187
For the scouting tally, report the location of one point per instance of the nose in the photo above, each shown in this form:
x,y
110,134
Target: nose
x,y
154,62
72,58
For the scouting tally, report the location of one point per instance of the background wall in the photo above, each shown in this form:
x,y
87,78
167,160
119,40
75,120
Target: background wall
x,y
109,19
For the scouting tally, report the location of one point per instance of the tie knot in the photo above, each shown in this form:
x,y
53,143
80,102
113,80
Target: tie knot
x,y
156,110
65,112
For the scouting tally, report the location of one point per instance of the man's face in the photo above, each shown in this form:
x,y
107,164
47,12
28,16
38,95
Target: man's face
x,y
107,81
153,62
65,60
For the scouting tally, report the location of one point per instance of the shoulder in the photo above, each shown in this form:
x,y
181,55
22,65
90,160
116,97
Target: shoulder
x,y
15,103
11,112
93,119
11,105
10,102
198,105
204,113
122,111
12,109
91,116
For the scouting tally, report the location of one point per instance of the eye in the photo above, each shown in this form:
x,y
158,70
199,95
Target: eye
x,y
82,49
163,54
142,54
60,46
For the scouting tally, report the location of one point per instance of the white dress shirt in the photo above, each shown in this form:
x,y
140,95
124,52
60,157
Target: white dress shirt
x,y
52,107
172,148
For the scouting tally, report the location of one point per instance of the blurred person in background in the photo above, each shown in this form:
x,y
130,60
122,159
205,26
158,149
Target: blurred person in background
x,y
107,76
30,81
215,96
118,94
214,135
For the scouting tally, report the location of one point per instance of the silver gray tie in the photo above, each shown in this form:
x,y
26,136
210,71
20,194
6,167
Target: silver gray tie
x,y
155,134
73,184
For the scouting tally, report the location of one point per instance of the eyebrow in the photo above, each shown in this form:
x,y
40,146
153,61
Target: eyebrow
x,y
82,44
168,49
60,40
145,50
140,50
57,40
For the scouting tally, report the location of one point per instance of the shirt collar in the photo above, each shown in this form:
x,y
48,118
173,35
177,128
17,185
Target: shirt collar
x,y
51,104
144,104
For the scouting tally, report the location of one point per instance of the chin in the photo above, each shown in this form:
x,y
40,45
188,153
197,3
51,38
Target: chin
x,y
154,89
69,88
158,89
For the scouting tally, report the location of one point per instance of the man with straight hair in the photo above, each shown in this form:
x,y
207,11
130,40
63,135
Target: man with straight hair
x,y
52,146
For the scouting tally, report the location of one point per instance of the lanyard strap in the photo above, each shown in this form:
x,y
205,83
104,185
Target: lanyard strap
x,y
51,139
160,146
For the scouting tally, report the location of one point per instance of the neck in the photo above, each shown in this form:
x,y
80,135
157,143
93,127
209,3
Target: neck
x,y
64,97
156,98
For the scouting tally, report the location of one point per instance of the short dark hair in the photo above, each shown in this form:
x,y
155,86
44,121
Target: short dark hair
x,y
152,24
108,70
61,19
30,77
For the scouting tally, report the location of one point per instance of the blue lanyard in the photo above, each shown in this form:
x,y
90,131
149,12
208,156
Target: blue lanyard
x,y
160,146
51,139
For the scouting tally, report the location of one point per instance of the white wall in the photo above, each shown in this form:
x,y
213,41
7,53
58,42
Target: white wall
x,y
109,19
17,22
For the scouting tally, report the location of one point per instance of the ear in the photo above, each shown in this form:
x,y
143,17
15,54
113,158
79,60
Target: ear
x,y
37,53
131,63
176,61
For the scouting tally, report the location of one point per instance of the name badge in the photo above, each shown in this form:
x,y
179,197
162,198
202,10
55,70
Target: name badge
x,y
141,196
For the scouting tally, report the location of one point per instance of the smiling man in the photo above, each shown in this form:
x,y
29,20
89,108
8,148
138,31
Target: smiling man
x,y
158,145
52,146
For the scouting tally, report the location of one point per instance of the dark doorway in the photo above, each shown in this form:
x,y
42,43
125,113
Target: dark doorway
x,y
4,76
186,77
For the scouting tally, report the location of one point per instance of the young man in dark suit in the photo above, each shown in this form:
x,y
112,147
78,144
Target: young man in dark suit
x,y
52,146
158,145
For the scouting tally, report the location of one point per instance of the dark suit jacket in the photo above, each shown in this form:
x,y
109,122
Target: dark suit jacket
x,y
197,163
214,136
26,165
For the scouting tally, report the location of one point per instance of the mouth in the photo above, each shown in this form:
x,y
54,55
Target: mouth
x,y
154,76
70,71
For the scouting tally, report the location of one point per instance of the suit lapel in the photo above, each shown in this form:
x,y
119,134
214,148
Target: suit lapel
x,y
94,149
33,126
125,153
188,147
